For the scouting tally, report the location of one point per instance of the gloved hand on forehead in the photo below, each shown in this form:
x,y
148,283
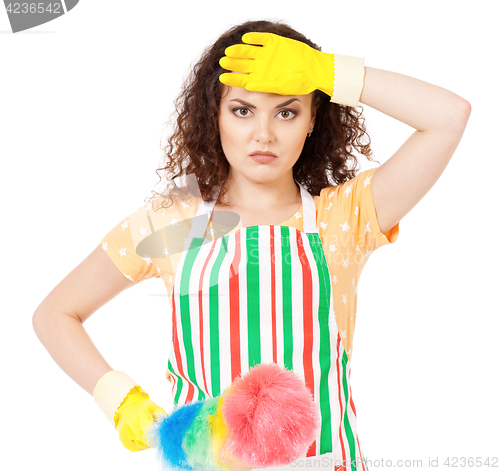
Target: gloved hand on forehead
x,y
274,64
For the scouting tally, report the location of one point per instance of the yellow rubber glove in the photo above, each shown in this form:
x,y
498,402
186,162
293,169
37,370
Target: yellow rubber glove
x,y
127,407
274,64
134,416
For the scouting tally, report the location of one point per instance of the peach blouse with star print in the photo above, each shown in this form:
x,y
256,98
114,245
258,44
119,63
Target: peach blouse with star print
x,y
346,221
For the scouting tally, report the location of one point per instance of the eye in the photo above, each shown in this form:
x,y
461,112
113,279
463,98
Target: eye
x,y
287,114
241,112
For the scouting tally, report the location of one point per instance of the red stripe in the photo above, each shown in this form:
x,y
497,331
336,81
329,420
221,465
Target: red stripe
x,y
359,451
234,310
307,308
339,389
350,395
174,377
312,449
177,352
352,405
200,308
273,297
354,412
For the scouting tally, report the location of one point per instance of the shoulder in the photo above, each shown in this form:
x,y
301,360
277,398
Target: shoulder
x,y
161,213
171,208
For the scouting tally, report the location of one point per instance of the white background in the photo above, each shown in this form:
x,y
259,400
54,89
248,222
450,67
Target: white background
x,y
82,103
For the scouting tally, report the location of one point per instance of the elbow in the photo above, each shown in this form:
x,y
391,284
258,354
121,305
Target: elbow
x,y
460,114
467,106
465,109
37,321
38,324
40,321
44,320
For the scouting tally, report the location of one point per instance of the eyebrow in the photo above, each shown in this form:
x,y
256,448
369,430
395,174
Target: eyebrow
x,y
249,105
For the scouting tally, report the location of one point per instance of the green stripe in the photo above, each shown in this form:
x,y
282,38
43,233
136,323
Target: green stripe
x,y
347,425
214,319
324,341
185,311
178,383
253,295
286,275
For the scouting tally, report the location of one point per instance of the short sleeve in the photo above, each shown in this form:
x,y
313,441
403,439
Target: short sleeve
x,y
123,245
354,201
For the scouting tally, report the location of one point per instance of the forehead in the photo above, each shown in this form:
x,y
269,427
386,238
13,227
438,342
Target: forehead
x,y
260,98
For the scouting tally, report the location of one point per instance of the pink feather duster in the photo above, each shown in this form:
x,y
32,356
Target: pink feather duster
x,y
271,417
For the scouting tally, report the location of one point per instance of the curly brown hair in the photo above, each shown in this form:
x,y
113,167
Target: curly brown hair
x,y
194,147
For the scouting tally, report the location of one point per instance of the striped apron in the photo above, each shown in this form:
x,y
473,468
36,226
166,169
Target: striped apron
x,y
263,294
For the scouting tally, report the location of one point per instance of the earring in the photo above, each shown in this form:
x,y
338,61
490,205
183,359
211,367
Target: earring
x,y
310,132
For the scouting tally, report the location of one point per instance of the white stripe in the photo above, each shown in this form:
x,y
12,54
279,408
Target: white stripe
x,y
332,380
194,317
279,296
340,414
243,302
297,307
265,291
224,329
350,411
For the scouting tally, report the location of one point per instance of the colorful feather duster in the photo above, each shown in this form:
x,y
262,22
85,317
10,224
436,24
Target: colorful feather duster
x,y
265,418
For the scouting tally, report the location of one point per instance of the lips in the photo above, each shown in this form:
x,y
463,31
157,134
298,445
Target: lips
x,y
263,152
263,157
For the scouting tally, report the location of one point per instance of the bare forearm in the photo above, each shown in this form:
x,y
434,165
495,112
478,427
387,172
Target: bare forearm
x,y
421,105
72,349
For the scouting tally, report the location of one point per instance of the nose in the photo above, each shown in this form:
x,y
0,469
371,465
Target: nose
x,y
263,129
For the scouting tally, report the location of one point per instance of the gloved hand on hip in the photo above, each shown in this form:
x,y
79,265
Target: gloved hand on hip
x,y
127,407
274,64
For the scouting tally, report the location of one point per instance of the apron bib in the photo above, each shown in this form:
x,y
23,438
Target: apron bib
x,y
261,295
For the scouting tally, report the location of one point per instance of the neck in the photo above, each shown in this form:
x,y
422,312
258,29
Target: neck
x,y
251,195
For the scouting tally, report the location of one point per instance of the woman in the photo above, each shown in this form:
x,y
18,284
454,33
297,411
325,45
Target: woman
x,y
266,130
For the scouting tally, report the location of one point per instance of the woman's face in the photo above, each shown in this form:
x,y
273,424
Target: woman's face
x,y
253,122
